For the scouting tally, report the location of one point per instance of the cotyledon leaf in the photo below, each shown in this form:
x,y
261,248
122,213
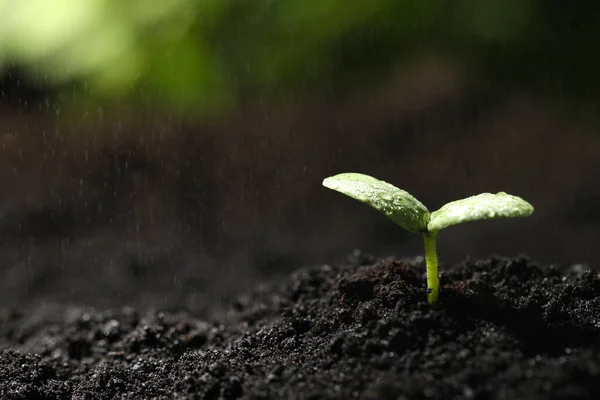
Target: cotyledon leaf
x,y
482,206
397,204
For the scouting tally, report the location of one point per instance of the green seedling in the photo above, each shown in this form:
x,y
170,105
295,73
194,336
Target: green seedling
x,y
408,212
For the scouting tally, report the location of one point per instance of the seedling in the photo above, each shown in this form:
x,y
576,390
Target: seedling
x,y
408,212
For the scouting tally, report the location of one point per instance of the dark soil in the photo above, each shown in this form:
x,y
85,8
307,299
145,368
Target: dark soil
x,y
505,328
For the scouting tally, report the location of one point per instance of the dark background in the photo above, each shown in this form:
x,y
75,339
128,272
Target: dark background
x,y
171,154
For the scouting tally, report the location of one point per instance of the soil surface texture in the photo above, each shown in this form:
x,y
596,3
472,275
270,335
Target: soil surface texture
x,y
504,329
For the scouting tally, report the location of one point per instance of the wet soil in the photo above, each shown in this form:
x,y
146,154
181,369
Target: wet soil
x,y
504,329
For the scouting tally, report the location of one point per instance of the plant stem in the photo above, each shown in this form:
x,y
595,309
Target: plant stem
x,y
431,260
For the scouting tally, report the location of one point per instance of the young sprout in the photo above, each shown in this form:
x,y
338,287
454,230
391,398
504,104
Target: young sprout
x,y
408,212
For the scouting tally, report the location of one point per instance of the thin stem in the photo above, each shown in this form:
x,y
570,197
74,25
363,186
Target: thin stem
x,y
433,288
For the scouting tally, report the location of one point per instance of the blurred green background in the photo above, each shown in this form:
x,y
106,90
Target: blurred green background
x,y
171,152
207,54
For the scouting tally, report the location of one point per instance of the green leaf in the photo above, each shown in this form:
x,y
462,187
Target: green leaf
x,y
397,204
482,206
